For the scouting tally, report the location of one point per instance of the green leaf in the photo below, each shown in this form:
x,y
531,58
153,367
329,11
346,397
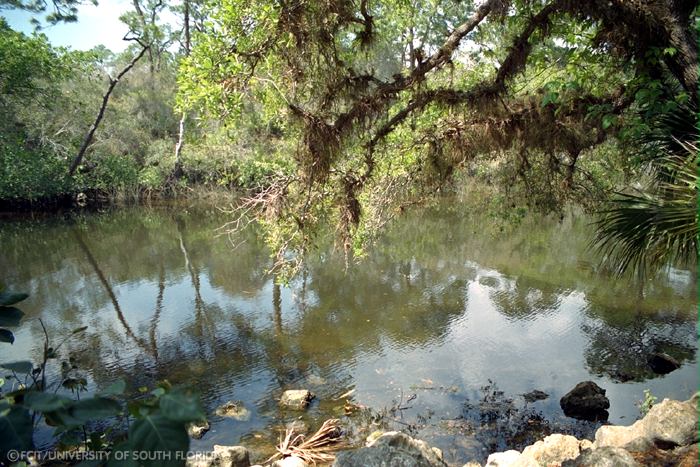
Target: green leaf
x,y
608,120
181,406
117,388
10,316
46,402
95,408
6,336
550,98
79,330
15,428
161,436
18,367
9,298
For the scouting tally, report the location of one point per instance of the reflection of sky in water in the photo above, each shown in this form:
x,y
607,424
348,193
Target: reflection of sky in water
x,y
424,314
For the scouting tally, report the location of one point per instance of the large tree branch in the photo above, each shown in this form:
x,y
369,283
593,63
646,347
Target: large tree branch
x,y
383,93
514,63
105,100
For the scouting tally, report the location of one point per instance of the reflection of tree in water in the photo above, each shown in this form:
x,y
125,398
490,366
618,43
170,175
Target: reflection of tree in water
x,y
620,350
523,298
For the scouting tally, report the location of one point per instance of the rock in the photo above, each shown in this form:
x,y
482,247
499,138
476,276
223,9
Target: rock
x,y
291,461
667,425
297,399
316,380
222,456
392,449
197,429
618,436
503,459
672,423
297,426
235,410
232,456
535,395
586,401
554,449
662,363
374,436
603,457
639,444
585,444
472,464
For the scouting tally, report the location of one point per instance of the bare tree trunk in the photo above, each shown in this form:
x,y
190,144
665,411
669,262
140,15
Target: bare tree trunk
x,y
177,170
105,99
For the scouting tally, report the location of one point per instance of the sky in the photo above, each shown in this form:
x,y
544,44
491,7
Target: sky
x,y
96,25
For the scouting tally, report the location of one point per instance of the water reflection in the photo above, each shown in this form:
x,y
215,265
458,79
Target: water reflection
x,y
439,308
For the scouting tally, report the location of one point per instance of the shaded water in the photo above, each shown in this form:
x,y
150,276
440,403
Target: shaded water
x,y
445,308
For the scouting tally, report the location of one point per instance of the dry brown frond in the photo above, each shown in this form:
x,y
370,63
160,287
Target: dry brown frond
x,y
319,447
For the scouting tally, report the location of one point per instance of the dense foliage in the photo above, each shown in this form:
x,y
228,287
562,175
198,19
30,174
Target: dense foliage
x,y
344,113
388,100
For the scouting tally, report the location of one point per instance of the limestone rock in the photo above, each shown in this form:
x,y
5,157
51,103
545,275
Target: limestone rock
x,y
297,426
197,429
222,456
374,436
392,449
232,456
668,424
672,423
235,410
503,459
603,457
554,449
618,436
291,461
586,401
585,444
297,399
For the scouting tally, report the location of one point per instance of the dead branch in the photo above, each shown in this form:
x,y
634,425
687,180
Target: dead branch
x,y
105,99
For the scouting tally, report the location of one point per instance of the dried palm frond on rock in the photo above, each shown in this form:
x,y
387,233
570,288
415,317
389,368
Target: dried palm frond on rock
x,y
318,447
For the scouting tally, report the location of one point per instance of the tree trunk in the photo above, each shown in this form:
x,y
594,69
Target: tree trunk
x,y
105,99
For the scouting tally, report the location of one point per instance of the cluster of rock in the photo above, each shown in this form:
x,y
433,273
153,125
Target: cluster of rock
x,y
666,436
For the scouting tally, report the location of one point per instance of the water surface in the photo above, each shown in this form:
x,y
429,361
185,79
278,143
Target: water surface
x,y
439,331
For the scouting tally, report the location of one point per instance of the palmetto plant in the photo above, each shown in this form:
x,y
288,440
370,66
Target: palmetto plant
x,y
650,227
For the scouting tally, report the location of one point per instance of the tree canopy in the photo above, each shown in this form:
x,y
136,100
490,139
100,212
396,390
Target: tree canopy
x,y
388,98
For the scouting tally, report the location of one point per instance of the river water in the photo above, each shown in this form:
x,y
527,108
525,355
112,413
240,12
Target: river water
x,y
439,331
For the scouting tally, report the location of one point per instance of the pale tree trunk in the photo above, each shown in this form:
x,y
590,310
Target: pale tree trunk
x,y
177,170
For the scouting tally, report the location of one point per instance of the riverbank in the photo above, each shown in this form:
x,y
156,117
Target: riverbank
x,y
103,199
666,436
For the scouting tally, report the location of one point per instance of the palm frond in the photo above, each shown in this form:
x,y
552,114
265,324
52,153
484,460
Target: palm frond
x,y
319,447
651,227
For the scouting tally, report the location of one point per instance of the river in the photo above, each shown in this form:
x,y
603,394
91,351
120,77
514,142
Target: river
x,y
438,331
